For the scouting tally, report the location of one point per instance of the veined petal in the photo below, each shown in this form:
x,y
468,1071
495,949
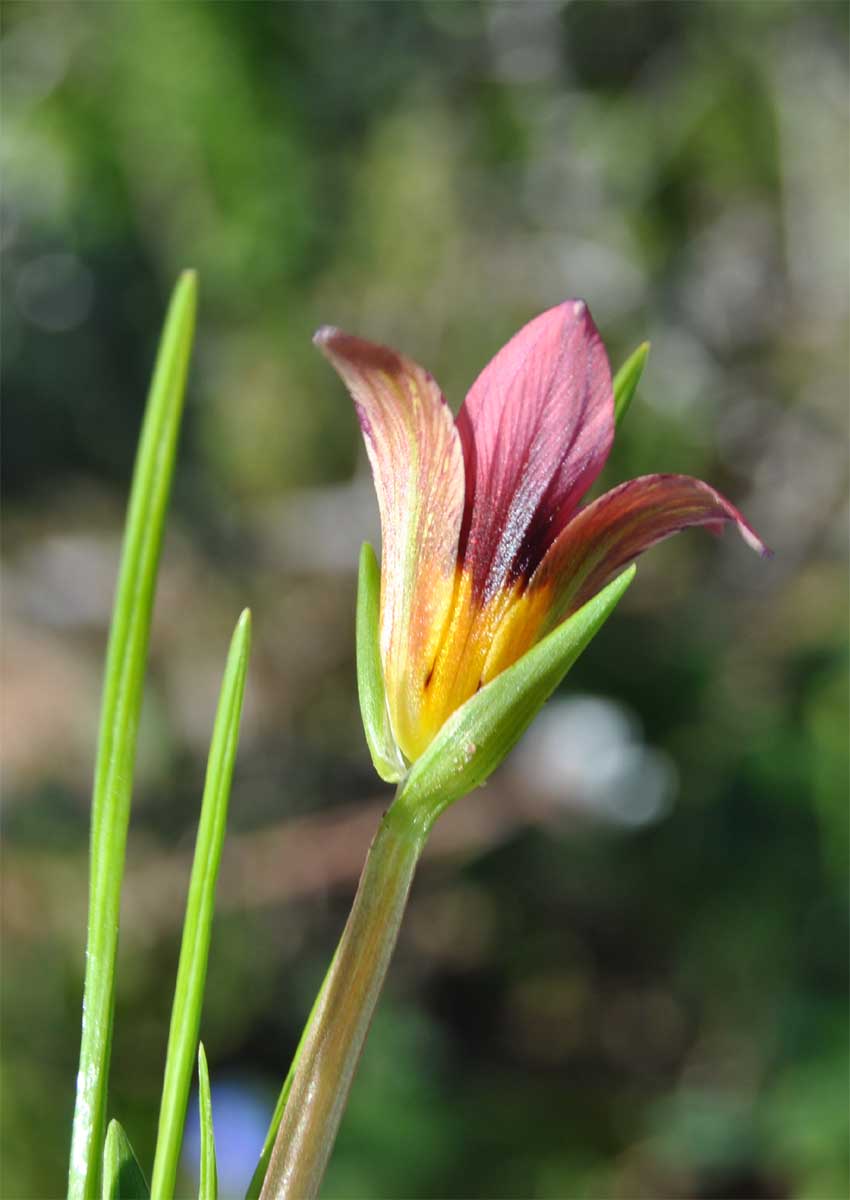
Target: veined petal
x,y
619,526
536,428
417,463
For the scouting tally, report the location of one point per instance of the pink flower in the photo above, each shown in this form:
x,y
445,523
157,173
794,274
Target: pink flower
x,y
485,549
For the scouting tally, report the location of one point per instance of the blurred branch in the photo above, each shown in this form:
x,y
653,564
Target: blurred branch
x,y
292,860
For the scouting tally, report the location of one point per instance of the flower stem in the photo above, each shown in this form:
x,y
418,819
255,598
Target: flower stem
x,y
337,1032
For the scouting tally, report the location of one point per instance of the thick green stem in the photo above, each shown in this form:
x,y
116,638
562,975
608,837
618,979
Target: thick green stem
x,y
338,1031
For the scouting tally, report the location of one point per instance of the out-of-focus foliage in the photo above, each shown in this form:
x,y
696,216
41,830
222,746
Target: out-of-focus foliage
x,y
624,971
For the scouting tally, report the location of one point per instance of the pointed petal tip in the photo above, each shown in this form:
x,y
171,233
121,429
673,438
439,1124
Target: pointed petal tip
x,y
572,310
325,335
575,311
346,349
730,514
753,540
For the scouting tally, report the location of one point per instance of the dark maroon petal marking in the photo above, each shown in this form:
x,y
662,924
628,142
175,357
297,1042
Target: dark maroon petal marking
x,y
536,429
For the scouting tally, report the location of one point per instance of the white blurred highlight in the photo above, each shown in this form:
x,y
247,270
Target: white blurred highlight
x,y
586,754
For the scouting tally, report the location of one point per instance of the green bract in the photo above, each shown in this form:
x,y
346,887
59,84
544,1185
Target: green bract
x,y
370,674
627,379
476,738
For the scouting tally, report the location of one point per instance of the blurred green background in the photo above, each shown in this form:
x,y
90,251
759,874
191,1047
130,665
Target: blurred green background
x,y
624,968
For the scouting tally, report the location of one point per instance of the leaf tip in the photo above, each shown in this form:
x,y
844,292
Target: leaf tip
x,y
186,289
626,380
240,643
611,595
368,557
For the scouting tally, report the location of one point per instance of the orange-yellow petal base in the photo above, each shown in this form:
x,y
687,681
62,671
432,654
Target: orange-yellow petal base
x,y
478,642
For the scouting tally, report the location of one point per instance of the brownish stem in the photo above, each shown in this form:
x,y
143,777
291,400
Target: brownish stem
x,y
337,1032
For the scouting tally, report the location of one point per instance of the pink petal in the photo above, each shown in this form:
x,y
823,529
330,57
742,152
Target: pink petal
x,y
417,463
612,531
536,428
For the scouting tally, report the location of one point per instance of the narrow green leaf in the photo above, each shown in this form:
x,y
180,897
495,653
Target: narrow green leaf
x,y
208,1186
120,707
122,1175
627,379
370,674
197,925
255,1186
476,738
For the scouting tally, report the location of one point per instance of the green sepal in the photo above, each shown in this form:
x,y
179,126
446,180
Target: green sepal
x,y
122,1177
627,379
476,738
370,674
208,1185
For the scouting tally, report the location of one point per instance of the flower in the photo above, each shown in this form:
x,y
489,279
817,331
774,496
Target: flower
x,y
484,547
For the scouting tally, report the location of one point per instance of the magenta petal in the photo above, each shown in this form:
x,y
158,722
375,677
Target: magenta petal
x,y
612,531
536,429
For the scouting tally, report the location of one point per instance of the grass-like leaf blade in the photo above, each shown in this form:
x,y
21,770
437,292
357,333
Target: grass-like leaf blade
x,y
121,705
208,1184
197,925
122,1176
